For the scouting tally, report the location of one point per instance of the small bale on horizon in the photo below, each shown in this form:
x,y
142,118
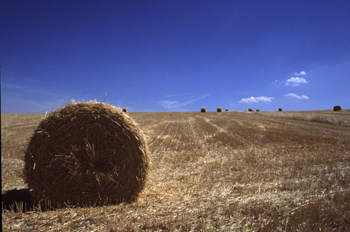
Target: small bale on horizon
x,y
219,109
250,109
125,110
86,153
279,109
257,110
336,108
226,109
203,109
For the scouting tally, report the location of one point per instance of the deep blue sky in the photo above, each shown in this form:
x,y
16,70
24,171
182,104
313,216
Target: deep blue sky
x,y
174,55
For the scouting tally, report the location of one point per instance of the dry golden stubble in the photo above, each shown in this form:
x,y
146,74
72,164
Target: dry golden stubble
x,y
291,175
338,118
86,153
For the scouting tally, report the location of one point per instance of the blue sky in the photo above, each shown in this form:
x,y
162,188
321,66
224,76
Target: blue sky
x,y
175,55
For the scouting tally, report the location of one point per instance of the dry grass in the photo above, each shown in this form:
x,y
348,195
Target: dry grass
x,y
337,118
214,172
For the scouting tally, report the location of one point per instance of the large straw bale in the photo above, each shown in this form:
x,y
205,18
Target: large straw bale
x,y
86,153
219,109
203,109
336,108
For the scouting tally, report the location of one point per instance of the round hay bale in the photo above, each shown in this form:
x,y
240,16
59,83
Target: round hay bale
x,y
86,153
219,109
203,109
257,110
250,109
125,110
336,108
226,109
279,109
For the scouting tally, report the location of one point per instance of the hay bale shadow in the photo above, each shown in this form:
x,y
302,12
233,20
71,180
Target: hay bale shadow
x,y
17,200
14,200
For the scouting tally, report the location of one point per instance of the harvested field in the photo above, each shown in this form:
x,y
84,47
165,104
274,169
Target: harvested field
x,y
238,171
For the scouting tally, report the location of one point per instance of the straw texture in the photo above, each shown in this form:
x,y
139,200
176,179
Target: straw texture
x,y
86,153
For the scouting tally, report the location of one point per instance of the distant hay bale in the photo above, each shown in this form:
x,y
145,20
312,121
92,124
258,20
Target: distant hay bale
x,y
86,153
257,110
226,109
336,108
279,109
250,109
203,109
125,110
219,109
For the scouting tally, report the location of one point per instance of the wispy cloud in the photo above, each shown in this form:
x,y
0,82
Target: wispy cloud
x,y
295,81
10,86
170,104
256,99
302,73
176,95
295,96
29,86
175,105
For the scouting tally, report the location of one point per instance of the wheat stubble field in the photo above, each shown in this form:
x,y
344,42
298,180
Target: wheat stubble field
x,y
228,171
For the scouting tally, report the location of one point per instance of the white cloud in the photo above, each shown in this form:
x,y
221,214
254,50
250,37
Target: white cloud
x,y
296,96
295,81
256,99
302,73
